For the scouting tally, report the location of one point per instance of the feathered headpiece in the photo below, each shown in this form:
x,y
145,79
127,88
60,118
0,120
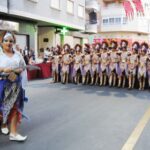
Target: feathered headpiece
x,y
104,45
78,45
135,45
115,44
144,47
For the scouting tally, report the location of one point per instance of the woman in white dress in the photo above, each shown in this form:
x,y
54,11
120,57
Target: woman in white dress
x,y
11,92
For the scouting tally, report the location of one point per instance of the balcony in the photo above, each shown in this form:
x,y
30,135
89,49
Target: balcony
x,y
92,5
91,28
137,26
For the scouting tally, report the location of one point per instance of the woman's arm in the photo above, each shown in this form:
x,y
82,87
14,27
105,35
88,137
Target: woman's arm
x,y
1,69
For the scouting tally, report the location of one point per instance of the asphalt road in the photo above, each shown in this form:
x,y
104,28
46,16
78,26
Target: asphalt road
x,y
77,117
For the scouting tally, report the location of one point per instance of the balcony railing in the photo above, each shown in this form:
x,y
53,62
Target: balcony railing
x,y
112,1
137,28
93,21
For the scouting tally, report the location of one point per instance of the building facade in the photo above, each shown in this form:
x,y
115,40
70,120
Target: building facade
x,y
46,23
115,24
92,14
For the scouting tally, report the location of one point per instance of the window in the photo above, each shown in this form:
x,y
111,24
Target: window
x,y
93,17
114,20
111,20
124,20
55,4
117,20
81,11
105,21
70,6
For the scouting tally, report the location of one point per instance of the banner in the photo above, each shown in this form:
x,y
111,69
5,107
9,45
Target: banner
x,y
128,9
138,6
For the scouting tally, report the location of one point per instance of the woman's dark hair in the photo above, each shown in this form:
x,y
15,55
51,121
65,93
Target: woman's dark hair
x,y
78,45
116,44
106,44
125,41
67,46
138,45
144,44
98,45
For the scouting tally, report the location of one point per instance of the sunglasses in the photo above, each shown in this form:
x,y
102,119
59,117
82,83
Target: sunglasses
x,y
10,41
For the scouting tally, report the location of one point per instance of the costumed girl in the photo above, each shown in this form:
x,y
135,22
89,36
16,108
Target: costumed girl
x,y
142,66
56,60
122,69
132,64
86,64
148,67
104,61
95,61
66,60
113,63
77,63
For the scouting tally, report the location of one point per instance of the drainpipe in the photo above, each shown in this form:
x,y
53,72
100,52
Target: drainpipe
x,y
8,6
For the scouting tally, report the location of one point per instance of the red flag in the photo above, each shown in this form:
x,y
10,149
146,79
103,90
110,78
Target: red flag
x,y
138,6
128,9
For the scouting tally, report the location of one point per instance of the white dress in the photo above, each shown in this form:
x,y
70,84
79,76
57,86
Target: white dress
x,y
14,62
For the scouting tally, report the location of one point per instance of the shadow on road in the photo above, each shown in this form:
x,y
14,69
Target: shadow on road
x,y
101,91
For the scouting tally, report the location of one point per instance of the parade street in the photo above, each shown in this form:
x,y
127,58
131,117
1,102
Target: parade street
x,y
77,117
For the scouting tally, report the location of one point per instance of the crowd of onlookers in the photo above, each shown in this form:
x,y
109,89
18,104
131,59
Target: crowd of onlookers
x,y
28,54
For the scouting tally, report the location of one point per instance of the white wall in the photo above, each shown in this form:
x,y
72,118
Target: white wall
x,y
57,40
69,40
85,41
138,24
76,41
21,40
125,35
29,29
54,39
113,9
46,32
43,11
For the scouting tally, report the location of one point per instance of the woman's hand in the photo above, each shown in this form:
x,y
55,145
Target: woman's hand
x,y
7,70
12,76
19,70
1,69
